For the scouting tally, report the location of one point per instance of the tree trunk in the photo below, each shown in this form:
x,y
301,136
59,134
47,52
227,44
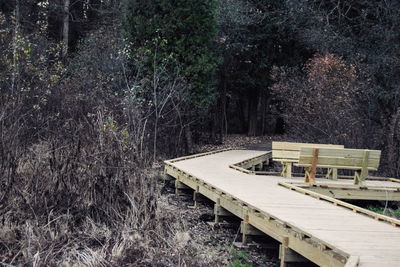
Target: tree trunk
x,y
266,125
242,116
263,108
155,139
224,118
15,73
66,27
189,141
220,120
253,100
215,123
393,145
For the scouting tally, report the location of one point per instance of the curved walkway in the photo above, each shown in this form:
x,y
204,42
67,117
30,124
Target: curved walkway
x,y
303,218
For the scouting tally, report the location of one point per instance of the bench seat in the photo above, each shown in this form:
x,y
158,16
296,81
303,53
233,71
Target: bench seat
x,y
287,153
359,160
336,166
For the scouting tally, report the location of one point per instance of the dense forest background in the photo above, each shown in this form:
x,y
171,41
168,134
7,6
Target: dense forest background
x,y
95,92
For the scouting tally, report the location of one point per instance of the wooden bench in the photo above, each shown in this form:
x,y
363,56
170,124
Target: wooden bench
x,y
288,153
359,160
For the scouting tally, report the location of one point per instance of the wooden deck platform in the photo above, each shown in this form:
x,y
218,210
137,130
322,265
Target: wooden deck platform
x,y
320,230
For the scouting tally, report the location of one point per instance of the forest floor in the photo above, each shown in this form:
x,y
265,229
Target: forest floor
x,y
214,244
242,141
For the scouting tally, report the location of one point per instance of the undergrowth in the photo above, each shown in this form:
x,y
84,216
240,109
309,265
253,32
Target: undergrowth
x,y
239,258
391,212
82,196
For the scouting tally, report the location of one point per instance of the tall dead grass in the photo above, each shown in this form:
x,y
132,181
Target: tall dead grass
x,y
79,196
70,186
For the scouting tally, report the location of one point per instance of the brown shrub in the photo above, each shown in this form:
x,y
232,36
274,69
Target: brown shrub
x,y
326,102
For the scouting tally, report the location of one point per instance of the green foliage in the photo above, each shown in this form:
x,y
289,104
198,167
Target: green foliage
x,y
375,209
252,38
239,258
392,212
177,35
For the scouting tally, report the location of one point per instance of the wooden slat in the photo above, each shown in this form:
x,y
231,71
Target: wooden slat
x,y
335,161
322,184
296,146
375,215
394,180
196,155
344,153
285,154
286,160
335,166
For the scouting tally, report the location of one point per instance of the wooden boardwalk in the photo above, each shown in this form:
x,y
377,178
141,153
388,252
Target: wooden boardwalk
x,y
326,234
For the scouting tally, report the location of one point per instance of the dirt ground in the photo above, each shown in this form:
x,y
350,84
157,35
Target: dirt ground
x,y
216,244
242,141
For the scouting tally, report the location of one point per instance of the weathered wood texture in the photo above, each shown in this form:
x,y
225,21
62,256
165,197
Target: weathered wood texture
x,y
297,146
319,230
383,191
244,165
288,153
342,157
361,161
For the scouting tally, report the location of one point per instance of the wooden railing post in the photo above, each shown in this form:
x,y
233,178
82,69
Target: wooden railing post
x,y
359,176
310,173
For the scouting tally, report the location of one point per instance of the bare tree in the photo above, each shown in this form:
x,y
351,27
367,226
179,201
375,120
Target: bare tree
x,y
66,27
161,97
15,72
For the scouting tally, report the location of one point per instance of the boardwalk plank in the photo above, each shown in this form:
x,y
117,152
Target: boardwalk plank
x,y
377,243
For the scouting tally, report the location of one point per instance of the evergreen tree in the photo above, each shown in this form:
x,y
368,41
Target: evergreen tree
x,y
253,37
177,35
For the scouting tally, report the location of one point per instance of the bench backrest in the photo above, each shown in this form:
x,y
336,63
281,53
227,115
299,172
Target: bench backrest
x,y
282,151
345,158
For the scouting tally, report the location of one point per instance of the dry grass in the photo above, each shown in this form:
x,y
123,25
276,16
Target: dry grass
x,y
81,198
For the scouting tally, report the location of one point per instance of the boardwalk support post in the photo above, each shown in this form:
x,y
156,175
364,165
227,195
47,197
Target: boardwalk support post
x,y
179,186
245,228
196,197
290,257
248,229
219,212
282,251
259,167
